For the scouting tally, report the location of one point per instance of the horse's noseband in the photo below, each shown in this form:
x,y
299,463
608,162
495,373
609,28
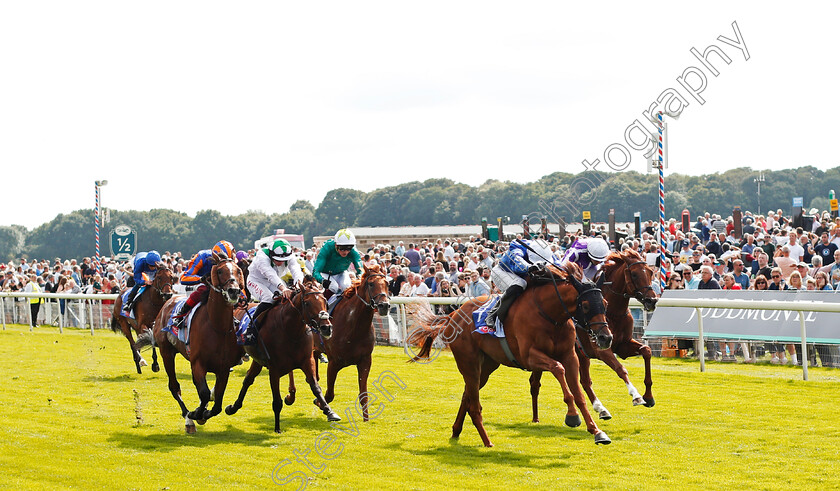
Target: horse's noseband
x,y
595,301
374,302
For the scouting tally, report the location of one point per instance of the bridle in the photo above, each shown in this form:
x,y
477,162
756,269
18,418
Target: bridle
x,y
638,293
221,288
374,302
309,320
158,289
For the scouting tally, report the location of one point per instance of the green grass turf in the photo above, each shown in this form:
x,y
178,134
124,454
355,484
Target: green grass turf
x,y
68,421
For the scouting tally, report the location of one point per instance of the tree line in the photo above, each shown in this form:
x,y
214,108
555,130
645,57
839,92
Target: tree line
x,y
432,202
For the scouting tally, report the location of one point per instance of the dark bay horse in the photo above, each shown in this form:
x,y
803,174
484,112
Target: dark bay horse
x,y
539,335
286,344
353,338
213,345
624,275
146,309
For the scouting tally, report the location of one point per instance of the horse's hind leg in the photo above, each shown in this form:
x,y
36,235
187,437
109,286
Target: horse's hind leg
x,y
155,366
488,367
471,371
363,369
276,397
586,383
253,371
135,353
167,353
534,379
218,393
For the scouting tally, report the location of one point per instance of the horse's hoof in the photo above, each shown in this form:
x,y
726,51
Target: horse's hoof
x,y
639,402
289,400
601,438
649,402
200,421
277,430
155,367
230,410
535,420
332,416
572,421
190,429
143,363
605,415
489,444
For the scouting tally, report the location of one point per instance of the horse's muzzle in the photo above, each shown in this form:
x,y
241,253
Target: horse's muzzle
x,y
649,303
383,308
232,295
604,340
166,296
324,324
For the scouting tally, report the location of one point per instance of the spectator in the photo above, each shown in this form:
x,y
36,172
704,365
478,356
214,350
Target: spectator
x,y
400,249
476,286
446,289
784,262
760,283
739,275
396,280
414,258
34,302
707,280
821,281
795,281
826,249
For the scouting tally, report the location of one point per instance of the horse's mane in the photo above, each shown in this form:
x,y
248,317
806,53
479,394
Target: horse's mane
x,y
553,273
616,259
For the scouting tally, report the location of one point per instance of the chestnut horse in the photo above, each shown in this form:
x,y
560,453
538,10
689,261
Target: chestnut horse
x,y
146,309
624,275
539,336
353,338
286,343
213,346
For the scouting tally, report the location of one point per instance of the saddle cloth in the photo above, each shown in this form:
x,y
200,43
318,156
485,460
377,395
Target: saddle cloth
x,y
130,313
182,333
480,320
243,328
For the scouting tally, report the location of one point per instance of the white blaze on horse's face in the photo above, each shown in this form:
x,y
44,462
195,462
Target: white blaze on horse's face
x,y
231,290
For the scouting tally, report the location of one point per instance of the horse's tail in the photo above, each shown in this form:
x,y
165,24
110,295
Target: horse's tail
x,y
429,327
115,325
145,339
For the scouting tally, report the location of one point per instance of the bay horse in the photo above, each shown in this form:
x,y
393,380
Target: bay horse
x,y
624,275
539,336
146,309
213,346
286,343
353,339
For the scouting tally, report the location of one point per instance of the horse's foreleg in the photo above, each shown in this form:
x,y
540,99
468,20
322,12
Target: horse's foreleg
x,y
536,375
635,348
155,366
458,425
586,381
570,361
363,369
542,362
252,373
218,393
309,372
290,399
332,373
276,398
135,353
199,375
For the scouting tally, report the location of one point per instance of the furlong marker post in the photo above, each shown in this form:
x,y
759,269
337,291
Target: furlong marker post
x,y
662,244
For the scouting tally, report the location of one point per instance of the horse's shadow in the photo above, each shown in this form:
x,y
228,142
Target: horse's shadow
x,y
542,430
454,453
166,442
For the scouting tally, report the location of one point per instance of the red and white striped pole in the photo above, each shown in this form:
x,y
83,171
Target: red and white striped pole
x,y
97,184
661,204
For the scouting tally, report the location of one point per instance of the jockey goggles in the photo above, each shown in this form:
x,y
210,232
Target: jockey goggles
x,y
344,247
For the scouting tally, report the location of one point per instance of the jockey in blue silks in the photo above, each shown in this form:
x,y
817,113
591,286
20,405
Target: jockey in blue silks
x,y
588,253
522,257
144,262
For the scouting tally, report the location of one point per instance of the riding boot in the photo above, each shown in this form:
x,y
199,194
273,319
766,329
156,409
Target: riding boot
x,y
262,307
181,316
501,308
129,301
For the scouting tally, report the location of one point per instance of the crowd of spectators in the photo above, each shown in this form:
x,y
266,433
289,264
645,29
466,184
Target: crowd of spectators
x,y
771,254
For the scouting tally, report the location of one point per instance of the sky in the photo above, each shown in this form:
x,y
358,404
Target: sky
x,y
252,106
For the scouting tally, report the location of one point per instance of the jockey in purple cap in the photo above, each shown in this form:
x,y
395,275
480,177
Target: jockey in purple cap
x,y
588,253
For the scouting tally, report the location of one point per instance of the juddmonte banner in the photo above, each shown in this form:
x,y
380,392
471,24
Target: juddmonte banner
x,y
765,325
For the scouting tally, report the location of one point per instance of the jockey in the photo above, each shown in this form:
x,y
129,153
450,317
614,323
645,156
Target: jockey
x,y
588,253
522,257
197,273
333,261
265,272
144,262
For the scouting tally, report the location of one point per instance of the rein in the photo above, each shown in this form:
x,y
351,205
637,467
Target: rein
x,y
586,324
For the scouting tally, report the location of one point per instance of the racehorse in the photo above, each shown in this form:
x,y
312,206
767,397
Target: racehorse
x,y
286,343
146,309
624,275
539,336
353,338
213,346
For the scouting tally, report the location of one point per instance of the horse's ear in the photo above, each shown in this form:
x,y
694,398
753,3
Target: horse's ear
x,y
216,258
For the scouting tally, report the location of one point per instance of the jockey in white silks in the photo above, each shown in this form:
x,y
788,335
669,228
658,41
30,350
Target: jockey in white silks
x,y
589,253
265,275
510,274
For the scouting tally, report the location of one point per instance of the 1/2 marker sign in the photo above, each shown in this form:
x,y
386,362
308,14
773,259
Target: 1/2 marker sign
x,y
123,243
